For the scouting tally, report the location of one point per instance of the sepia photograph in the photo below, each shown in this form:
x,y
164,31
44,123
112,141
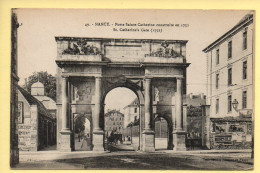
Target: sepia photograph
x,y
125,89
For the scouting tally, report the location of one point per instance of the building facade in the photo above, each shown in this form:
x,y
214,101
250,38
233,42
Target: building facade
x,y
114,121
230,65
38,91
36,126
131,112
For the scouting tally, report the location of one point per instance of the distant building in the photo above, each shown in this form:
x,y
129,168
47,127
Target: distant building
x,y
36,126
131,112
229,80
114,121
38,91
195,100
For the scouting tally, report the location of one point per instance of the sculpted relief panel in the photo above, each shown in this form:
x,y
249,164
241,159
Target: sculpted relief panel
x,y
163,90
81,47
83,90
165,49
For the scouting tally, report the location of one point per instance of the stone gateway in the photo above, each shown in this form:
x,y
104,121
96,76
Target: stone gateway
x,y
88,68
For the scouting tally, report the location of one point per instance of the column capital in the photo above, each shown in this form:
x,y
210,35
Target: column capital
x,y
179,78
147,79
98,77
64,76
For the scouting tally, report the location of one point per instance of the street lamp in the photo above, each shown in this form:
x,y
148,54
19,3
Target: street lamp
x,y
235,104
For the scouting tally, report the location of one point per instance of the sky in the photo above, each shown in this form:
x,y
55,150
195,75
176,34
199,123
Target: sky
x,y
37,48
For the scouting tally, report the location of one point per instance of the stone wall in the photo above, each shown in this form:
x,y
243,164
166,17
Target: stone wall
x,y
28,131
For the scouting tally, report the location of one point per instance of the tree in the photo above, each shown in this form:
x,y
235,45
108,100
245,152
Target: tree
x,y
46,79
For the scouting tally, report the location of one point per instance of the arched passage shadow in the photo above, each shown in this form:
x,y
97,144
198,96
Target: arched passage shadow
x,y
169,128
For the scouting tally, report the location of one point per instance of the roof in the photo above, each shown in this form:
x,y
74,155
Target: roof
x,y
196,100
246,19
113,111
48,102
135,102
33,101
37,85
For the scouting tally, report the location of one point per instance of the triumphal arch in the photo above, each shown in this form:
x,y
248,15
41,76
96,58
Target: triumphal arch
x,y
88,68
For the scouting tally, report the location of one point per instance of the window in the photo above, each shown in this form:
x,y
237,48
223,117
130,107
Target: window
x,y
135,110
245,70
230,103
229,76
244,40
217,106
230,49
217,56
217,80
244,99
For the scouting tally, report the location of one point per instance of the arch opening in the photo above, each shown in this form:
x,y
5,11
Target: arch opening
x,y
163,132
121,121
82,133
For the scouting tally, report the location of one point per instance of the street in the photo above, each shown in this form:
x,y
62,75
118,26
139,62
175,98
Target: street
x,y
122,157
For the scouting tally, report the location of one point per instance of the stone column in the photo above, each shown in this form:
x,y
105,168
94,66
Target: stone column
x,y
179,108
65,131
148,133
34,141
98,133
179,134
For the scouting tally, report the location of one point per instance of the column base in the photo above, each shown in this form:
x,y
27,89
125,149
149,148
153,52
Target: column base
x,y
179,141
148,141
98,140
65,141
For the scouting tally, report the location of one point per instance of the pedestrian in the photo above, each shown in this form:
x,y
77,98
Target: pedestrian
x,y
192,144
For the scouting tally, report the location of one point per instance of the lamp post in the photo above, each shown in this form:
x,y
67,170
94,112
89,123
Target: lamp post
x,y
131,125
235,105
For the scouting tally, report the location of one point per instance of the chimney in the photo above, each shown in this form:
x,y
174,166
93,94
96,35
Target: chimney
x,y
191,96
202,96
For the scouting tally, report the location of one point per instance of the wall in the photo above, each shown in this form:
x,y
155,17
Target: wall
x,y
28,130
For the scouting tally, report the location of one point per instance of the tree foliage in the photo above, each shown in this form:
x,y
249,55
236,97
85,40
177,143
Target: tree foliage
x,y
46,79
194,111
80,125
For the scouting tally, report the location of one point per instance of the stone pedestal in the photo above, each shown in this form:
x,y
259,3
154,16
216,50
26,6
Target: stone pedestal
x,y
98,138
148,141
65,141
179,141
